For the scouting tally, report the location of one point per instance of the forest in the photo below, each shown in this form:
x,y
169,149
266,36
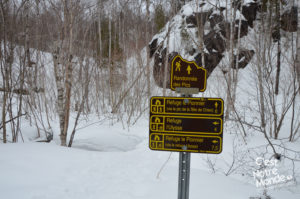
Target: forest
x,y
70,68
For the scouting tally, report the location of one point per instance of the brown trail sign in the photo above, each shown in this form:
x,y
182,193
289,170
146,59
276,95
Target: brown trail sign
x,y
186,74
185,143
196,124
186,124
187,106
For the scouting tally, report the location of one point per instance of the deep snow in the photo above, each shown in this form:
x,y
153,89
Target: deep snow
x,y
113,163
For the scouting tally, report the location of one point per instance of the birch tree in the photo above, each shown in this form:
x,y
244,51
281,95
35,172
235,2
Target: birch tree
x,y
63,66
147,49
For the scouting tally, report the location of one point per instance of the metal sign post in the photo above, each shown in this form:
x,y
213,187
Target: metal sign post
x,y
184,170
186,124
184,175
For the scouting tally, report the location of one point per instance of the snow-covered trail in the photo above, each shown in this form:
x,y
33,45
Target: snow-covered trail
x,y
48,171
111,162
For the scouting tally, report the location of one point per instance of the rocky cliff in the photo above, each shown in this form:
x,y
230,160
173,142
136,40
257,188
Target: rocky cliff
x,y
181,34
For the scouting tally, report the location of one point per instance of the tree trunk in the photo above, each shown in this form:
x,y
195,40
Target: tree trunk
x,y
230,72
4,115
260,65
166,62
8,57
298,47
99,29
148,51
5,76
84,97
68,28
278,46
109,63
58,72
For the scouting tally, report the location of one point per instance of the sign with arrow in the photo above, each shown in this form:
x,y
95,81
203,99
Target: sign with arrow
x,y
186,124
187,106
186,143
187,74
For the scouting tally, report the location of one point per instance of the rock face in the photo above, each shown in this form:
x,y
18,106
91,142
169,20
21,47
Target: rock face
x,y
249,11
289,20
183,33
244,57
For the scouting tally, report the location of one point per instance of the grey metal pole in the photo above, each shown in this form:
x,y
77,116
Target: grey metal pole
x,y
180,177
184,175
184,172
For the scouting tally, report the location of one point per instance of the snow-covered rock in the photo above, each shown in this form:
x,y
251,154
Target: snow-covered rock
x,y
181,34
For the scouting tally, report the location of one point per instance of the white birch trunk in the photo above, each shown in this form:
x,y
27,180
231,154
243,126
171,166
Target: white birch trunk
x,y
229,72
148,53
59,86
69,69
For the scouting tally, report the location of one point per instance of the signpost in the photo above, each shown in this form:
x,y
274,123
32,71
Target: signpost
x,y
186,124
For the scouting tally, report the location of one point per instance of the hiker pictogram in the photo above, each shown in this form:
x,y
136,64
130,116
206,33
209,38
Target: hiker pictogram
x,y
178,66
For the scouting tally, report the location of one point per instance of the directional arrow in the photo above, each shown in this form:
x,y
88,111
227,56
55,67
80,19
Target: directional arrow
x,y
216,105
215,141
189,69
216,123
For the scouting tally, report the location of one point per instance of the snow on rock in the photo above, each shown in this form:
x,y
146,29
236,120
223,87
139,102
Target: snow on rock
x,y
181,34
183,31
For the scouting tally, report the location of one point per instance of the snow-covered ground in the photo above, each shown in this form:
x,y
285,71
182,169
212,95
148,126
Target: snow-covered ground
x,y
110,162
113,162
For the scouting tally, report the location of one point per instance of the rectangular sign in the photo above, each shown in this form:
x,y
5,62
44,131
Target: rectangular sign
x,y
186,143
187,106
186,124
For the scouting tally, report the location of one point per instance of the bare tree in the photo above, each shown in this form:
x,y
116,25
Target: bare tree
x,y
63,65
148,51
298,46
277,10
9,13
